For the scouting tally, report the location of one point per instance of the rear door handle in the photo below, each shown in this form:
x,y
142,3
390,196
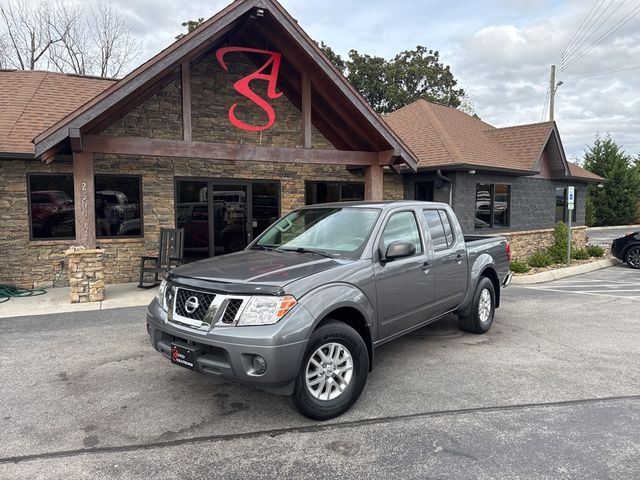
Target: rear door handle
x,y
426,266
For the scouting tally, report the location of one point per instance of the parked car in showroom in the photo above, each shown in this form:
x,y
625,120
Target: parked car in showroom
x,y
50,209
627,249
301,309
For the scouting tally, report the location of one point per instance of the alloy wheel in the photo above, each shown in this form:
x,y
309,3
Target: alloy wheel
x,y
329,371
484,305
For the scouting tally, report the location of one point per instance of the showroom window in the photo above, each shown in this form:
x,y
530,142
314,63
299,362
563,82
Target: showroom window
x,y
561,206
493,205
118,203
118,206
328,192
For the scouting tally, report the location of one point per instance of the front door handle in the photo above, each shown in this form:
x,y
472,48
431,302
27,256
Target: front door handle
x,y
426,266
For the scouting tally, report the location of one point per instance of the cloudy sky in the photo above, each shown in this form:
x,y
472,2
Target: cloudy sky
x,y
499,50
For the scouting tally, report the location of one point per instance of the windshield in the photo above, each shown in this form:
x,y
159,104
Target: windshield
x,y
341,232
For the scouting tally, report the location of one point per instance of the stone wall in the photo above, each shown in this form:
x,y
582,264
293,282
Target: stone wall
x,y
86,274
524,244
43,263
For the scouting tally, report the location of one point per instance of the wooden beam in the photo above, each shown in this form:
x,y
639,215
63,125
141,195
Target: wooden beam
x,y
75,139
84,193
186,101
223,151
373,183
306,110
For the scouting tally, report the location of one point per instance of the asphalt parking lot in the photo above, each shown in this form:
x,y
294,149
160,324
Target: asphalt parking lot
x,y
552,391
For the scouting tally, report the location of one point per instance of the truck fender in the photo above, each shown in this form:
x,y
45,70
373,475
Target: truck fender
x,y
483,263
322,301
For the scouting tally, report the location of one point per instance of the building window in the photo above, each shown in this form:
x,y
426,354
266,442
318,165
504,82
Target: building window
x,y
328,192
51,206
561,206
118,206
493,205
118,202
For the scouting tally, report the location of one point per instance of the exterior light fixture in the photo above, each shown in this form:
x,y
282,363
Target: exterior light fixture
x,y
472,172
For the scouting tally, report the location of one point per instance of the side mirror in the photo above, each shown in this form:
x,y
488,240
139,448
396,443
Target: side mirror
x,y
399,249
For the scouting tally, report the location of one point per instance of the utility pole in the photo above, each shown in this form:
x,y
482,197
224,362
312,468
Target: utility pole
x,y
552,92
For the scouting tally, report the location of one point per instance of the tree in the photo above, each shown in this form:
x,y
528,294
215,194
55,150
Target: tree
x,y
190,25
63,35
29,32
616,201
391,84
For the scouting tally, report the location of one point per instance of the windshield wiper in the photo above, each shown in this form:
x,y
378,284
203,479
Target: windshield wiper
x,y
306,250
269,248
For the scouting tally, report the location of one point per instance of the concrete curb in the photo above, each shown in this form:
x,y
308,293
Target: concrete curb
x,y
597,229
552,275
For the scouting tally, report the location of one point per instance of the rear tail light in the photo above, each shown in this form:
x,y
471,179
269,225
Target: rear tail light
x,y
508,249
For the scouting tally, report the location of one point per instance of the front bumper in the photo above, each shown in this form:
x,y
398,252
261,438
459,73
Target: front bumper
x,y
229,351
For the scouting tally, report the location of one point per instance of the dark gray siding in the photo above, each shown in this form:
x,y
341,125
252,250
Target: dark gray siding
x,y
533,201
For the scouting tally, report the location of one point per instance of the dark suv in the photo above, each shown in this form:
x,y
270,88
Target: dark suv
x,y
627,249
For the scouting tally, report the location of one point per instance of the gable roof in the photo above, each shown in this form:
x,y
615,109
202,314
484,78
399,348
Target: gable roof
x,y
32,101
443,137
237,19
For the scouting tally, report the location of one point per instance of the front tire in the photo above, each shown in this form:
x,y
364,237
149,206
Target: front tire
x,y
632,257
333,372
482,310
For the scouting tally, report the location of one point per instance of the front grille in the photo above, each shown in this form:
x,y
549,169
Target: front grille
x,y
232,310
186,300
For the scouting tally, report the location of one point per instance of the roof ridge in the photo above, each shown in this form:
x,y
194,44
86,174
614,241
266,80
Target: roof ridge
x,y
33,94
512,127
449,145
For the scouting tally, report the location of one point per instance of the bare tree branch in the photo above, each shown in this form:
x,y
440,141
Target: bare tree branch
x,y
116,44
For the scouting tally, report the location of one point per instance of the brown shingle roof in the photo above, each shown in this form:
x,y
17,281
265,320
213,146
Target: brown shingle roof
x,y
31,101
444,137
577,171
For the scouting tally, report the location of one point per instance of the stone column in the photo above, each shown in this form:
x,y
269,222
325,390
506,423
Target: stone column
x,y
86,274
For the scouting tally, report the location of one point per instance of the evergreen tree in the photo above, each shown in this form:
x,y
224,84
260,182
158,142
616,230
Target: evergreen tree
x,y
616,201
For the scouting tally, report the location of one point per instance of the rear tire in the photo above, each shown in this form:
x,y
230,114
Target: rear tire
x,y
333,372
632,256
483,308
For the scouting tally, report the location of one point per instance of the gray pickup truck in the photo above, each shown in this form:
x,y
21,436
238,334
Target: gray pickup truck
x,y
300,310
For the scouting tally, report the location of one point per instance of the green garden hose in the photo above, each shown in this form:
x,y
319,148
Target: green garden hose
x,y
9,291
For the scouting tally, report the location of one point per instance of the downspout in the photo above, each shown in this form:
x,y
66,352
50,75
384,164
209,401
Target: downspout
x,y
447,179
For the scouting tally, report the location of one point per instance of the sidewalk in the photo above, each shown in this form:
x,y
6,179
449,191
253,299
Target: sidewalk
x,y
558,273
56,300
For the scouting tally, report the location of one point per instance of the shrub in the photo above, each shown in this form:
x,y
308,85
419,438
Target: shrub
x,y
517,266
540,259
558,251
595,250
580,254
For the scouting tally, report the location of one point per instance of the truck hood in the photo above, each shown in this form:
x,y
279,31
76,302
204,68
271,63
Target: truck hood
x,y
256,267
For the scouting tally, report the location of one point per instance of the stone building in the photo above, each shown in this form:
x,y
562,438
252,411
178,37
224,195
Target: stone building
x,y
222,132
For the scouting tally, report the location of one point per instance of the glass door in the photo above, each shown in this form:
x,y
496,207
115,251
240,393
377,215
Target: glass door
x,y
230,217
192,214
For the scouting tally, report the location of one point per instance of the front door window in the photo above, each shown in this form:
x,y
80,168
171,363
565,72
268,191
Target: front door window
x,y
220,218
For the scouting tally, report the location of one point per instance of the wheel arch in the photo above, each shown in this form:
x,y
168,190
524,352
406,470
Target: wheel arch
x,y
491,274
355,319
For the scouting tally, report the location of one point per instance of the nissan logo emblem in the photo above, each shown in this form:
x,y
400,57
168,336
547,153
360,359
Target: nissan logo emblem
x,y
192,304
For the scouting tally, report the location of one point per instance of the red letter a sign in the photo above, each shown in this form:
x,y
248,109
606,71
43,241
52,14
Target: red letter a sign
x,y
243,87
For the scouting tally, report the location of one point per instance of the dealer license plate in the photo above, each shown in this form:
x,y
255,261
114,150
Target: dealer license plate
x,y
183,356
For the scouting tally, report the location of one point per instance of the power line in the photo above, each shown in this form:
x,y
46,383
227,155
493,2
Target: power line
x,y
578,51
575,35
602,73
545,106
588,23
577,48
626,19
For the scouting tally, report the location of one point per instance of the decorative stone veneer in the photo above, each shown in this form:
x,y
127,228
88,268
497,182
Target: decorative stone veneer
x,y
86,274
43,263
524,244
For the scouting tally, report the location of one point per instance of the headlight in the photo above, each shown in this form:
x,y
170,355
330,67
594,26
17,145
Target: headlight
x,y
165,295
265,310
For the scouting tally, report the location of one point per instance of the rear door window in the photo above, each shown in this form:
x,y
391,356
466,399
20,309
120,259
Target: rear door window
x,y
441,235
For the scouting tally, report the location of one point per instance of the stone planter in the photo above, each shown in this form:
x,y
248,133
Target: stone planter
x,y
86,274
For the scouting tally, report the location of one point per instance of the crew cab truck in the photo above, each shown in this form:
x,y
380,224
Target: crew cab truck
x,y
301,309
